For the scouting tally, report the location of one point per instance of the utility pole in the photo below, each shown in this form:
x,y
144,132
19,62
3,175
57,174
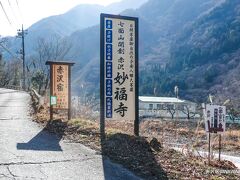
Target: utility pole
x,y
21,34
176,94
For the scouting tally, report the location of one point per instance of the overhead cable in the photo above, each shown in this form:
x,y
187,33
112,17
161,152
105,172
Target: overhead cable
x,y
19,10
15,17
12,54
5,13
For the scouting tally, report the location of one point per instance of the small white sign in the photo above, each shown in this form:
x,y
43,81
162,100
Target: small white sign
x,y
215,118
53,100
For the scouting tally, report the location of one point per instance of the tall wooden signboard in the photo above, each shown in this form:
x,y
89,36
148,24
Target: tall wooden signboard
x,y
119,69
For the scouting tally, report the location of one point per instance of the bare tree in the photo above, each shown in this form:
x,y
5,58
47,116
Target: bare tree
x,y
9,72
4,79
171,109
188,111
54,48
232,109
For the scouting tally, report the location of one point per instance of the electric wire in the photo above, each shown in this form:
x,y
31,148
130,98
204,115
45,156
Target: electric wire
x,y
8,50
5,13
20,12
11,24
14,15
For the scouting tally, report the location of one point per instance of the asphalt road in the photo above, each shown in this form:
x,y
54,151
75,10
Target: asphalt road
x,y
29,152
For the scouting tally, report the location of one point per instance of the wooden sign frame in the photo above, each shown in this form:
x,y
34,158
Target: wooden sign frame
x,y
69,64
103,87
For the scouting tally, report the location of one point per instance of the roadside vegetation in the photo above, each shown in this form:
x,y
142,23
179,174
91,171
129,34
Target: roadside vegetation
x,y
151,155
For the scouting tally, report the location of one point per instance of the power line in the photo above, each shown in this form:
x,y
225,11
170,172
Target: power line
x,y
9,51
19,10
14,15
17,3
5,13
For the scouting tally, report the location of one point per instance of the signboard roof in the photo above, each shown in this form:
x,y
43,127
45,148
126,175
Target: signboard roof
x,y
60,62
160,99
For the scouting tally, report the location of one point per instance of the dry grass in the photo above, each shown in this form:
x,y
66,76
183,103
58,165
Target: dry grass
x,y
84,123
147,158
143,155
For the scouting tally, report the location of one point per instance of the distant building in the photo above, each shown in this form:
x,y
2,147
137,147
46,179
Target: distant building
x,y
166,107
232,120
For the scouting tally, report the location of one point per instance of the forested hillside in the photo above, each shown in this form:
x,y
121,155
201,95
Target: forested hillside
x,y
170,36
203,57
192,44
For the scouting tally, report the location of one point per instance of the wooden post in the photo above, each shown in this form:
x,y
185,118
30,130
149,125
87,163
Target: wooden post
x,y
109,66
209,142
59,63
209,147
69,92
136,122
102,88
51,92
220,139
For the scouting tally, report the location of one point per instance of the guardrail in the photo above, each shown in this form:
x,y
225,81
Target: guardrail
x,y
37,99
11,87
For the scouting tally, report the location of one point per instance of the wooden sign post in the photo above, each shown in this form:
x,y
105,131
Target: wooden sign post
x,y
60,86
119,70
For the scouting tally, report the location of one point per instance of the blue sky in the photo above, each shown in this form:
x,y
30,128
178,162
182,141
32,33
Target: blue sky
x,y
30,11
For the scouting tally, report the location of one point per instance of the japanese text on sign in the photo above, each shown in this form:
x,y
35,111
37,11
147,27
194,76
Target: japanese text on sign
x,y
60,85
215,118
119,61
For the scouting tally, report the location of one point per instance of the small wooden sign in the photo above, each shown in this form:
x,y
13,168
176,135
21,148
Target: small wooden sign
x,y
60,86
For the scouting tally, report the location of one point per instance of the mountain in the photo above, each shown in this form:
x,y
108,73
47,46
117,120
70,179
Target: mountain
x,y
206,54
77,18
192,44
203,54
160,23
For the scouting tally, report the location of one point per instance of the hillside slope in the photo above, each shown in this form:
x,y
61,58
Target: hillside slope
x,y
206,54
161,24
192,44
78,18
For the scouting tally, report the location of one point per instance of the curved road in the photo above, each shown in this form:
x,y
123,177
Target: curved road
x,y
29,152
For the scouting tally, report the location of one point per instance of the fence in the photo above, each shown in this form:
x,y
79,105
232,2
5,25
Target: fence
x,y
11,87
